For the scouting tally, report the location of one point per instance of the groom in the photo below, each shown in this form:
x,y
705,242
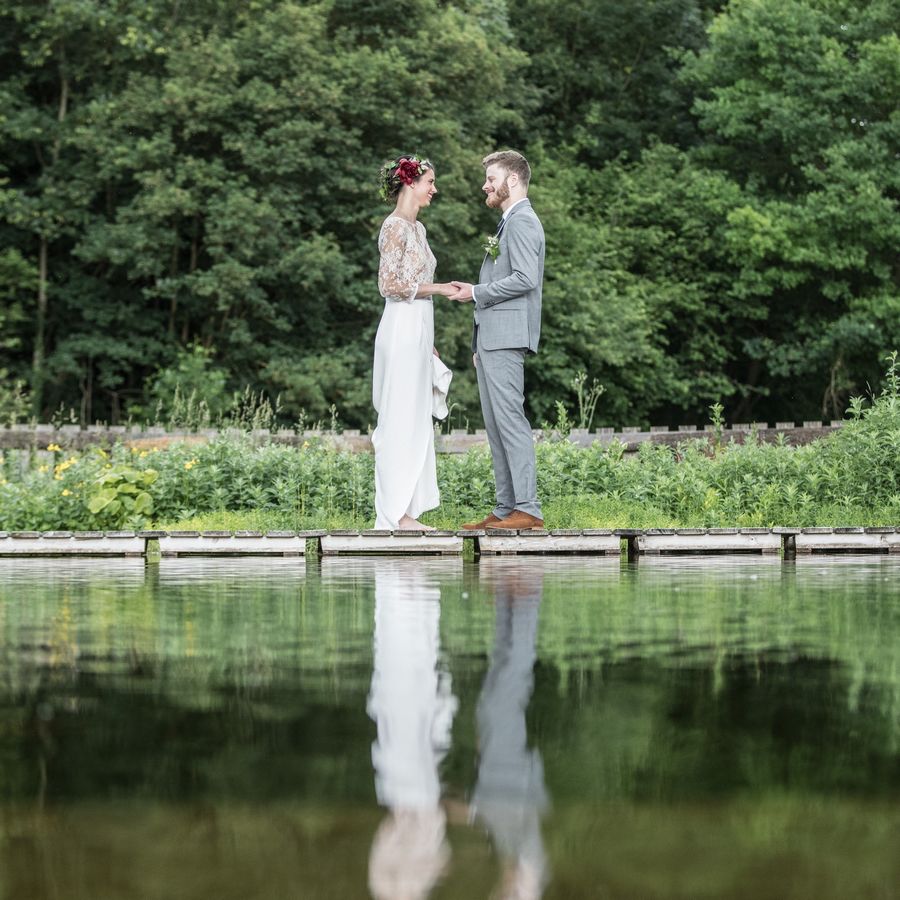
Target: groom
x,y
507,302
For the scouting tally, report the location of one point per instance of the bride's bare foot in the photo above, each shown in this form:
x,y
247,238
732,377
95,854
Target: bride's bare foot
x,y
408,523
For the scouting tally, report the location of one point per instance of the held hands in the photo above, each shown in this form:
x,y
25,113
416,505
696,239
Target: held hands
x,y
462,292
454,290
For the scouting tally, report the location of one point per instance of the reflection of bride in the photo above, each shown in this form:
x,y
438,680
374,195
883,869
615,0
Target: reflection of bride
x,y
413,707
510,797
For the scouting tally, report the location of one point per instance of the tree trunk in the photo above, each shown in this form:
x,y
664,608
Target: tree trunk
x,y
743,410
37,360
173,300
195,243
44,255
87,390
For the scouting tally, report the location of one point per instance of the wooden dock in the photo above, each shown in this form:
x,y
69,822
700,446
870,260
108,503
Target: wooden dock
x,y
490,542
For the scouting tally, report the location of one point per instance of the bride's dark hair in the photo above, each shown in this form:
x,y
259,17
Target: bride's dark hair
x,y
394,174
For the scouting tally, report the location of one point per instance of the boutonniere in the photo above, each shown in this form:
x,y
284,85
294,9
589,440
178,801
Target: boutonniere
x,y
491,246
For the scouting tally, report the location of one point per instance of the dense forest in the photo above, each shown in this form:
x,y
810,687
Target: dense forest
x,y
188,198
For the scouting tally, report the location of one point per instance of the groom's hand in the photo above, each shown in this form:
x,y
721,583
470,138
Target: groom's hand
x,y
463,291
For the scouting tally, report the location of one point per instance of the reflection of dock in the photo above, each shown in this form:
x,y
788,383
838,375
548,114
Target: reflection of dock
x,y
493,541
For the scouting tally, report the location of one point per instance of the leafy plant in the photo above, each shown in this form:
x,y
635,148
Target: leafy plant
x,y
120,496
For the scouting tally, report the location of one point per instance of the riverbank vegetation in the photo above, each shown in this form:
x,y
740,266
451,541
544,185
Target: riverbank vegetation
x,y
851,477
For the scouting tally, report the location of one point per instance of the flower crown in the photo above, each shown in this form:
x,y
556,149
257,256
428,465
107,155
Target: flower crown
x,y
400,171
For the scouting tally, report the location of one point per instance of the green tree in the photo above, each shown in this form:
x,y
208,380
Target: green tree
x,y
799,101
243,175
606,73
638,292
54,58
719,194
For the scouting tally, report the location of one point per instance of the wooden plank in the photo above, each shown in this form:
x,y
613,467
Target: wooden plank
x,y
73,544
527,542
396,543
227,544
708,541
844,540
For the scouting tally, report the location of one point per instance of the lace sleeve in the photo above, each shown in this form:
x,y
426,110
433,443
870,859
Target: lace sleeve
x,y
400,263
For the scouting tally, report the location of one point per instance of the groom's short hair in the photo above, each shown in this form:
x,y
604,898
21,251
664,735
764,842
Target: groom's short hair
x,y
514,163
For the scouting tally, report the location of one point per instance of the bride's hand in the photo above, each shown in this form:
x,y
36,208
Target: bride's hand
x,y
446,289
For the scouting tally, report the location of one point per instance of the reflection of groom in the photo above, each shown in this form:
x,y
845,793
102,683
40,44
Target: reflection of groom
x,y
510,796
507,302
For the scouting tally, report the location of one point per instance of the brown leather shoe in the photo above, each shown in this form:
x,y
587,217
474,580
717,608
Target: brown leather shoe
x,y
489,522
520,521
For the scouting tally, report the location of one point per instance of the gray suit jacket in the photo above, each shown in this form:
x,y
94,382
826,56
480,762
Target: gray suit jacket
x,y
508,293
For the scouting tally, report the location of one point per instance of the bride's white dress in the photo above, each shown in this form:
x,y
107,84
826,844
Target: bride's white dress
x,y
405,470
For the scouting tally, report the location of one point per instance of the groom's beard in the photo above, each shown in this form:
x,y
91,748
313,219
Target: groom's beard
x,y
498,196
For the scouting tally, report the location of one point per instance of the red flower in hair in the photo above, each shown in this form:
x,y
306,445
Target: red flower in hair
x,y
409,170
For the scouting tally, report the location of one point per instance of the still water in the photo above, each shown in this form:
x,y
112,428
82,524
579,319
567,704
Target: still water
x,y
397,728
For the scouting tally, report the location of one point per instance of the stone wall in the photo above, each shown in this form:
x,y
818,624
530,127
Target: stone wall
x,y
74,437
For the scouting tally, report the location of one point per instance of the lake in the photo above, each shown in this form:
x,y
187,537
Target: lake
x,y
676,727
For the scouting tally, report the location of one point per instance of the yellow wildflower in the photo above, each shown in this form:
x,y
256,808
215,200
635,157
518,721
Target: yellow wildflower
x,y
143,454
305,445
43,469
54,448
190,464
66,492
65,464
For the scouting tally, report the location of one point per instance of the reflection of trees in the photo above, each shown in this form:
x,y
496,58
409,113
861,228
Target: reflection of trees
x,y
206,671
413,707
691,677
510,796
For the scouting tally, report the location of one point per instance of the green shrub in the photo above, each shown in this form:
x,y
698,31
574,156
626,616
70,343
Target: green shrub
x,y
120,495
850,477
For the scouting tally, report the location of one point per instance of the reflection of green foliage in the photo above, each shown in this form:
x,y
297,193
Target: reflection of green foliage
x,y
786,845
263,621
741,706
791,844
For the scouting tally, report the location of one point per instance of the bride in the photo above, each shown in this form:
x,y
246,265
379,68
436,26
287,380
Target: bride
x,y
405,471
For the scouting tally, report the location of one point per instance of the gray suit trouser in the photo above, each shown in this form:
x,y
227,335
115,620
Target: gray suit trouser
x,y
501,384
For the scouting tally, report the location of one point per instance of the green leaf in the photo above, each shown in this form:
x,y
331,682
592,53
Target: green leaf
x,y
101,501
